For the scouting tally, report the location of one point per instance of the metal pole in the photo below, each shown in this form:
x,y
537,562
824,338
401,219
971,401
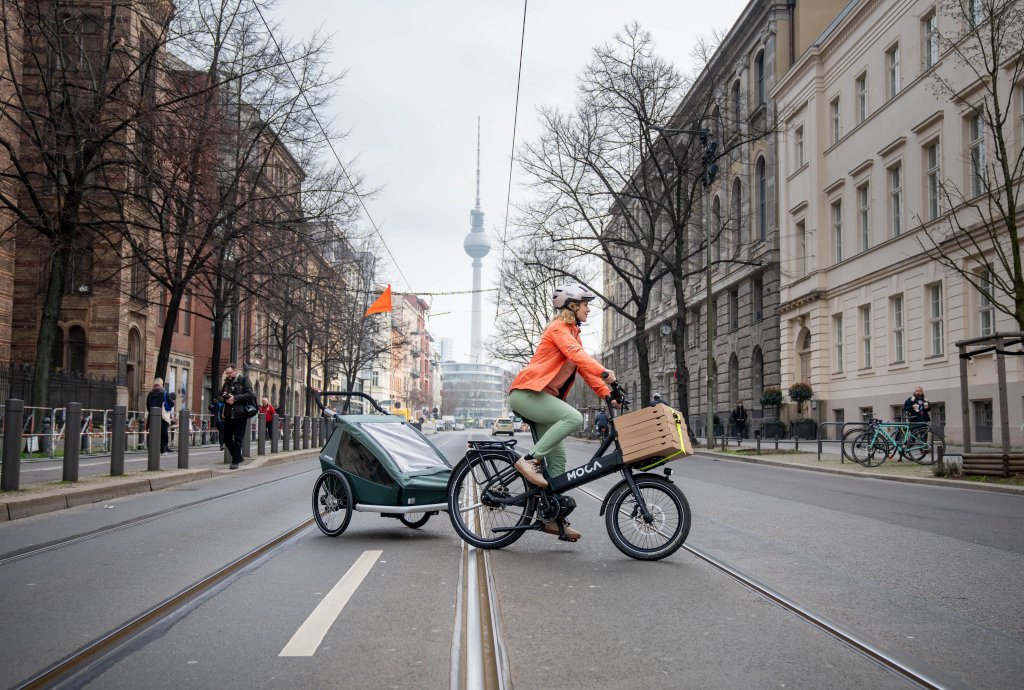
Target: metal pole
x,y
72,440
10,475
965,412
247,440
118,441
285,438
184,437
153,443
273,433
305,433
710,320
296,424
261,434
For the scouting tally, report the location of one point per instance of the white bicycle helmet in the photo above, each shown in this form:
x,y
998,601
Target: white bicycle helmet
x,y
570,292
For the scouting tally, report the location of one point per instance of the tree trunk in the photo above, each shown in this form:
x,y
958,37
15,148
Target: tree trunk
x,y
643,358
48,325
171,318
679,340
283,342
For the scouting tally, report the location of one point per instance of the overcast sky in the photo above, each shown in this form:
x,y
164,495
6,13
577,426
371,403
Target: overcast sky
x,y
419,72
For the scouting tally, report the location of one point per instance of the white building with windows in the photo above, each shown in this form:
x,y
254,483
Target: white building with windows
x,y
868,147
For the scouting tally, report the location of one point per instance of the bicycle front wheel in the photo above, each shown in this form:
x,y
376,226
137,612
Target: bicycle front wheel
x,y
922,445
870,449
669,525
847,443
477,492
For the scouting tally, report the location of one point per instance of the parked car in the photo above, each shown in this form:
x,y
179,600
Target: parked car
x,y
459,426
503,425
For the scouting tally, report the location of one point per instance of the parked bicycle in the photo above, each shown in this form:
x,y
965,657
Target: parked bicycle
x,y
491,505
883,440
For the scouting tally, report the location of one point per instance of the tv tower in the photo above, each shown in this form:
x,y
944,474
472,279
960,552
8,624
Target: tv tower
x,y
476,245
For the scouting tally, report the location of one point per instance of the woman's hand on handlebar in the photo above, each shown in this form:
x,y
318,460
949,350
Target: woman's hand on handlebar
x,y
608,376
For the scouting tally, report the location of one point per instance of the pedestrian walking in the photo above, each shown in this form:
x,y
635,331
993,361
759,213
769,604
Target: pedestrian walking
x,y
268,412
236,393
216,409
601,422
916,407
157,397
739,419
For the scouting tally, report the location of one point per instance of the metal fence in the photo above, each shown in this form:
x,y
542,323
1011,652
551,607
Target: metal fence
x,y
93,393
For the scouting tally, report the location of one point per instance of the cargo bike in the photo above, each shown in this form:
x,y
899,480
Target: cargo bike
x,y
647,516
376,463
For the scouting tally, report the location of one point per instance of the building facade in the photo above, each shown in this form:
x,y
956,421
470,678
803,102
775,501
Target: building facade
x,y
870,150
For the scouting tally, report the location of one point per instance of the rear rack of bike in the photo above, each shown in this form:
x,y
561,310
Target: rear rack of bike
x,y
493,445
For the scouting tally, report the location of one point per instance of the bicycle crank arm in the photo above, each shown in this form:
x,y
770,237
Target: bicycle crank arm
x,y
520,528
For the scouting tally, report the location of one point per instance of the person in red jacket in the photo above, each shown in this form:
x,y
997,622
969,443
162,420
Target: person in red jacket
x,y
268,411
538,392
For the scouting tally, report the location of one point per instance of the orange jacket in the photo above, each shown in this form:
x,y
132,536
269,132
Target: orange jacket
x,y
560,343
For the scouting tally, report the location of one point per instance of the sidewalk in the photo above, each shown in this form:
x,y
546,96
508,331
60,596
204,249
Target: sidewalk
x,y
45,497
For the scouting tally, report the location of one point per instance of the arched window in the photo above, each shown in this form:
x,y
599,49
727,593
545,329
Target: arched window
x,y
803,341
76,350
759,76
737,109
762,201
737,214
757,372
734,379
716,228
135,369
716,125
274,400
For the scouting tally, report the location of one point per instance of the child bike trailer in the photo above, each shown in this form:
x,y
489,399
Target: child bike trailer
x,y
376,463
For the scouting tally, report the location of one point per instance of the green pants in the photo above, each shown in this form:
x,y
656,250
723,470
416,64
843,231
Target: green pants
x,y
554,419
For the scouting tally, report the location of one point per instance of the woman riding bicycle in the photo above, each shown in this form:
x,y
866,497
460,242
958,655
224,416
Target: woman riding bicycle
x,y
538,392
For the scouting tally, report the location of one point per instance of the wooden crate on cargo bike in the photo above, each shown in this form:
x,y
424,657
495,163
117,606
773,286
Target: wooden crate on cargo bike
x,y
652,436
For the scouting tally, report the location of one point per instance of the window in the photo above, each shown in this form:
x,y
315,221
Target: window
x,y
762,201
837,338
975,13
162,312
865,336
798,139
757,370
737,214
734,309
933,181
864,216
757,297
716,227
736,108
76,350
976,146
929,30
834,119
898,342
892,61
801,249
837,229
186,315
862,98
896,199
139,280
936,309
759,75
986,307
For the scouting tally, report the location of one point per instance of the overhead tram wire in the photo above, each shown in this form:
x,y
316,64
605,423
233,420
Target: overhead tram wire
x,y
330,144
512,154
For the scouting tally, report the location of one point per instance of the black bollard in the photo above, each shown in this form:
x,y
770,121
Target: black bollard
x,y
153,438
247,440
285,437
184,437
10,476
272,432
118,441
261,434
296,424
72,440
305,433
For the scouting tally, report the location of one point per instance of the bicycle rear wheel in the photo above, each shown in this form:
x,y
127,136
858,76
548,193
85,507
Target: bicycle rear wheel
x,y
922,445
871,448
847,443
474,491
648,541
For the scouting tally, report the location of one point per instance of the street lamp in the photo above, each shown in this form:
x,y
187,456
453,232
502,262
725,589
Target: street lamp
x,y
709,171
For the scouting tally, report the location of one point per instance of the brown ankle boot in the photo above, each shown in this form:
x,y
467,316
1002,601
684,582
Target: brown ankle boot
x,y
552,528
531,472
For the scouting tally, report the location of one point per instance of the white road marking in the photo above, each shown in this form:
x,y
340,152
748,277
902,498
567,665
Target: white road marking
x,y
311,633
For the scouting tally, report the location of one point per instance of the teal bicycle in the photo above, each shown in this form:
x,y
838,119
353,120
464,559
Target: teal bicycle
x,y
883,440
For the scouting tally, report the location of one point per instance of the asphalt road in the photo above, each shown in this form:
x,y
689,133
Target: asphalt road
x,y
928,573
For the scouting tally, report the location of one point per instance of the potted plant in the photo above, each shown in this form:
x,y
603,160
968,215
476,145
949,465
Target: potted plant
x,y
771,399
803,427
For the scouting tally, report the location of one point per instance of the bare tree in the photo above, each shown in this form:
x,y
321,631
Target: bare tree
x,y
75,86
985,45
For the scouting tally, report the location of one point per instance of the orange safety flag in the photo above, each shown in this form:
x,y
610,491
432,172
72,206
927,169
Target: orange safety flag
x,y
382,303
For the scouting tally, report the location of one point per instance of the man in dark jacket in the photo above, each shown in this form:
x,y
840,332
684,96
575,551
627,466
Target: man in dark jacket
x,y
236,391
156,398
601,422
739,419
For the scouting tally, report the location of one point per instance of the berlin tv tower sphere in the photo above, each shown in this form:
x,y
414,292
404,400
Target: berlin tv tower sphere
x,y
477,245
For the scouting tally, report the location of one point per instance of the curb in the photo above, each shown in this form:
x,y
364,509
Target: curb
x,y
16,507
932,481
